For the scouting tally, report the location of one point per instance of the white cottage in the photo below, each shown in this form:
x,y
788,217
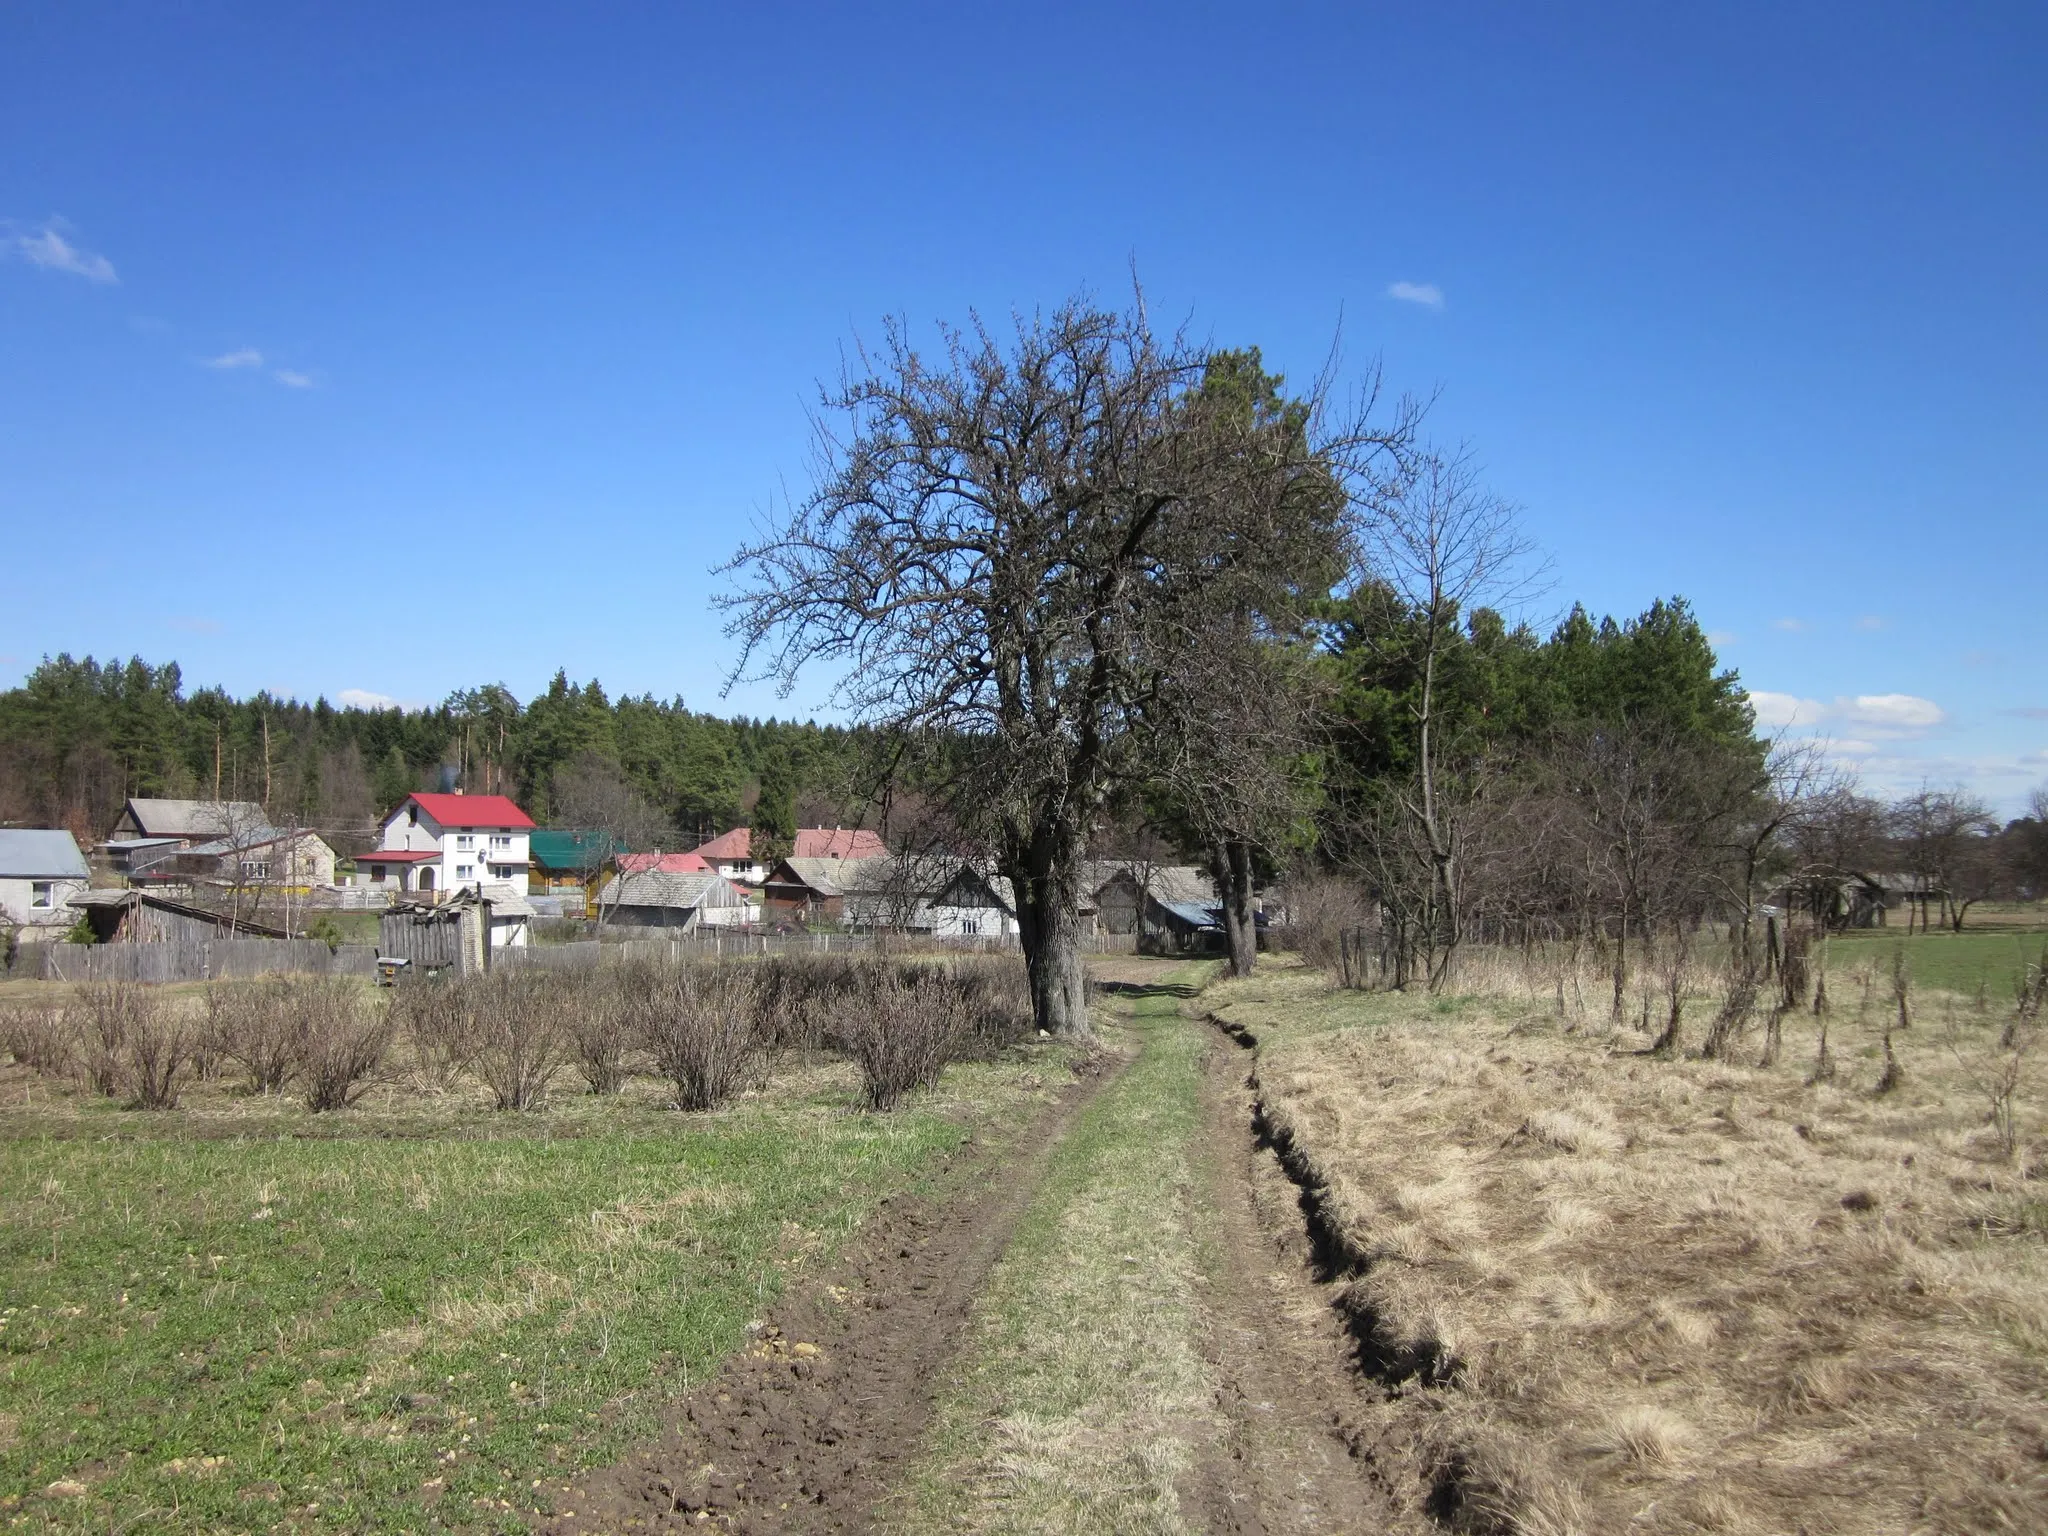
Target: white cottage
x,y
449,843
40,871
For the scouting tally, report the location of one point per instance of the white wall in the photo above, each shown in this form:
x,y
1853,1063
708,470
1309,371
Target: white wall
x,y
16,896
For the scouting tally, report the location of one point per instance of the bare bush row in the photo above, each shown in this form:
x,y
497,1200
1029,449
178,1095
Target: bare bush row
x,y
707,1029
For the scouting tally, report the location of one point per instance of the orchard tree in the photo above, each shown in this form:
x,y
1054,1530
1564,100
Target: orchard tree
x,y
1004,549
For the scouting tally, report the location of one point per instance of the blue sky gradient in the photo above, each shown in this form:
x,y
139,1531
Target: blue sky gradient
x,y
345,351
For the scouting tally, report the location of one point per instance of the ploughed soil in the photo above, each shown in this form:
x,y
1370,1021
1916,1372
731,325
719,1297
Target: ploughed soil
x,y
1301,1449
810,1426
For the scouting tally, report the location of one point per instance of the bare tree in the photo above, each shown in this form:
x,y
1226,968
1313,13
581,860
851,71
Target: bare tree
x,y
1938,833
990,560
1439,543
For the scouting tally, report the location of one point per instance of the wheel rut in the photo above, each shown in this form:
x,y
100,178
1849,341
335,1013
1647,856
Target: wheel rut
x,y
1299,1450
811,1425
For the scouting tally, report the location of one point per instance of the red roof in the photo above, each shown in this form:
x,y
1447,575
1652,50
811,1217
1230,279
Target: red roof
x,y
471,810
400,856
662,864
811,843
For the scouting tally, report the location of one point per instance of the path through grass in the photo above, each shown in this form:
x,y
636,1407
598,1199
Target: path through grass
x,y
1083,1391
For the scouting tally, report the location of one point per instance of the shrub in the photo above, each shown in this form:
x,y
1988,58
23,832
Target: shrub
x,y
698,1023
596,1012
106,1015
904,1030
255,1024
342,1040
995,1001
41,1037
439,1021
159,1048
519,1040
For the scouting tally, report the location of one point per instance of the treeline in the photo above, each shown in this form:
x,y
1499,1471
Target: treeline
x,y
78,737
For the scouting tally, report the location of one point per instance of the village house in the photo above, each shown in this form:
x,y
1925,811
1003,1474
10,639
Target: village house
x,y
1120,890
942,895
40,871
732,853
564,860
440,843
679,903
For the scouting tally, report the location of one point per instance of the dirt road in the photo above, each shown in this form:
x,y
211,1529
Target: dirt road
x,y
906,1369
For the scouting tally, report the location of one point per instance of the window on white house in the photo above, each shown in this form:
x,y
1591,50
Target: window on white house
x,y
255,869
464,842
501,842
376,874
42,895
465,871
970,925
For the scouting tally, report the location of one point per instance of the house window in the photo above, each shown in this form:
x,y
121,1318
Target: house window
x,y
501,842
376,874
42,895
970,925
255,869
465,871
464,842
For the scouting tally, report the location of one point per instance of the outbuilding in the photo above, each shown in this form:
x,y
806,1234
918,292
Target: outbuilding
x,y
40,871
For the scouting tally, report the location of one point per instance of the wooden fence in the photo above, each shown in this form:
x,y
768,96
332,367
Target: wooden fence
x,y
191,960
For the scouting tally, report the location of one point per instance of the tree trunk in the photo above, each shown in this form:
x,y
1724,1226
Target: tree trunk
x,y
1230,862
1046,878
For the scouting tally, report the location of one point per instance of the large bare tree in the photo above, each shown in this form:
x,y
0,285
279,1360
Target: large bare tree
x,y
1000,545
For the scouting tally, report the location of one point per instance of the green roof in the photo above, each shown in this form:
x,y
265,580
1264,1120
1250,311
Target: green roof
x,y
572,848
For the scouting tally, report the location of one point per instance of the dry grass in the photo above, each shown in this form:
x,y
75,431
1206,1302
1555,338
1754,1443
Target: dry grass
x,y
1613,1291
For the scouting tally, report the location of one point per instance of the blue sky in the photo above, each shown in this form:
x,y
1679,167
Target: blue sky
x,y
348,351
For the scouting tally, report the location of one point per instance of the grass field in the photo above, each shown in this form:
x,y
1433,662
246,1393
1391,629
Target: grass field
x,y
1611,1291
1994,958
237,1316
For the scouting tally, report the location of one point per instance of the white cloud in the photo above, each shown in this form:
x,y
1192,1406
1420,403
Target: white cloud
x,y
1871,621
1790,626
1778,711
1426,294
291,378
241,357
1721,637
1881,716
1896,713
47,248
363,698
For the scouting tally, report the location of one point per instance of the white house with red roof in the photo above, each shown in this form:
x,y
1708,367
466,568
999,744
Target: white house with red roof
x,y
447,843
731,853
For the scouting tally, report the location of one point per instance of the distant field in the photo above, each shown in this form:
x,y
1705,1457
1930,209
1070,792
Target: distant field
x,y
239,1316
1996,956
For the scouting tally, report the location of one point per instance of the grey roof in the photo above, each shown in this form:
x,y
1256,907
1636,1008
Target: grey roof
x,y
825,876
1165,882
193,818
651,888
1194,913
130,844
40,855
505,900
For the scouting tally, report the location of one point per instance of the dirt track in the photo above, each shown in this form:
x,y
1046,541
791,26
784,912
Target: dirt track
x,y
814,1424
805,1430
1297,1455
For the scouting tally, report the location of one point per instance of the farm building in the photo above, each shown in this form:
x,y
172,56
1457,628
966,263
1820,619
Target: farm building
x,y
939,894
1121,888
185,821
683,903
732,853
567,858
804,891
40,871
451,935
145,917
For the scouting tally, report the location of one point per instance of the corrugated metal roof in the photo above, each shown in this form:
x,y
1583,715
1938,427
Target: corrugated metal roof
x,y
572,847
40,854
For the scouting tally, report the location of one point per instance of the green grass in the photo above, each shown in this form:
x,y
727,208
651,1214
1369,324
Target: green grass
x,y
1083,1391
1946,962
368,1328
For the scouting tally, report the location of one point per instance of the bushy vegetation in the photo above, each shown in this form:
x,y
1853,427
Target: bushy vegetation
x,y
708,1029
